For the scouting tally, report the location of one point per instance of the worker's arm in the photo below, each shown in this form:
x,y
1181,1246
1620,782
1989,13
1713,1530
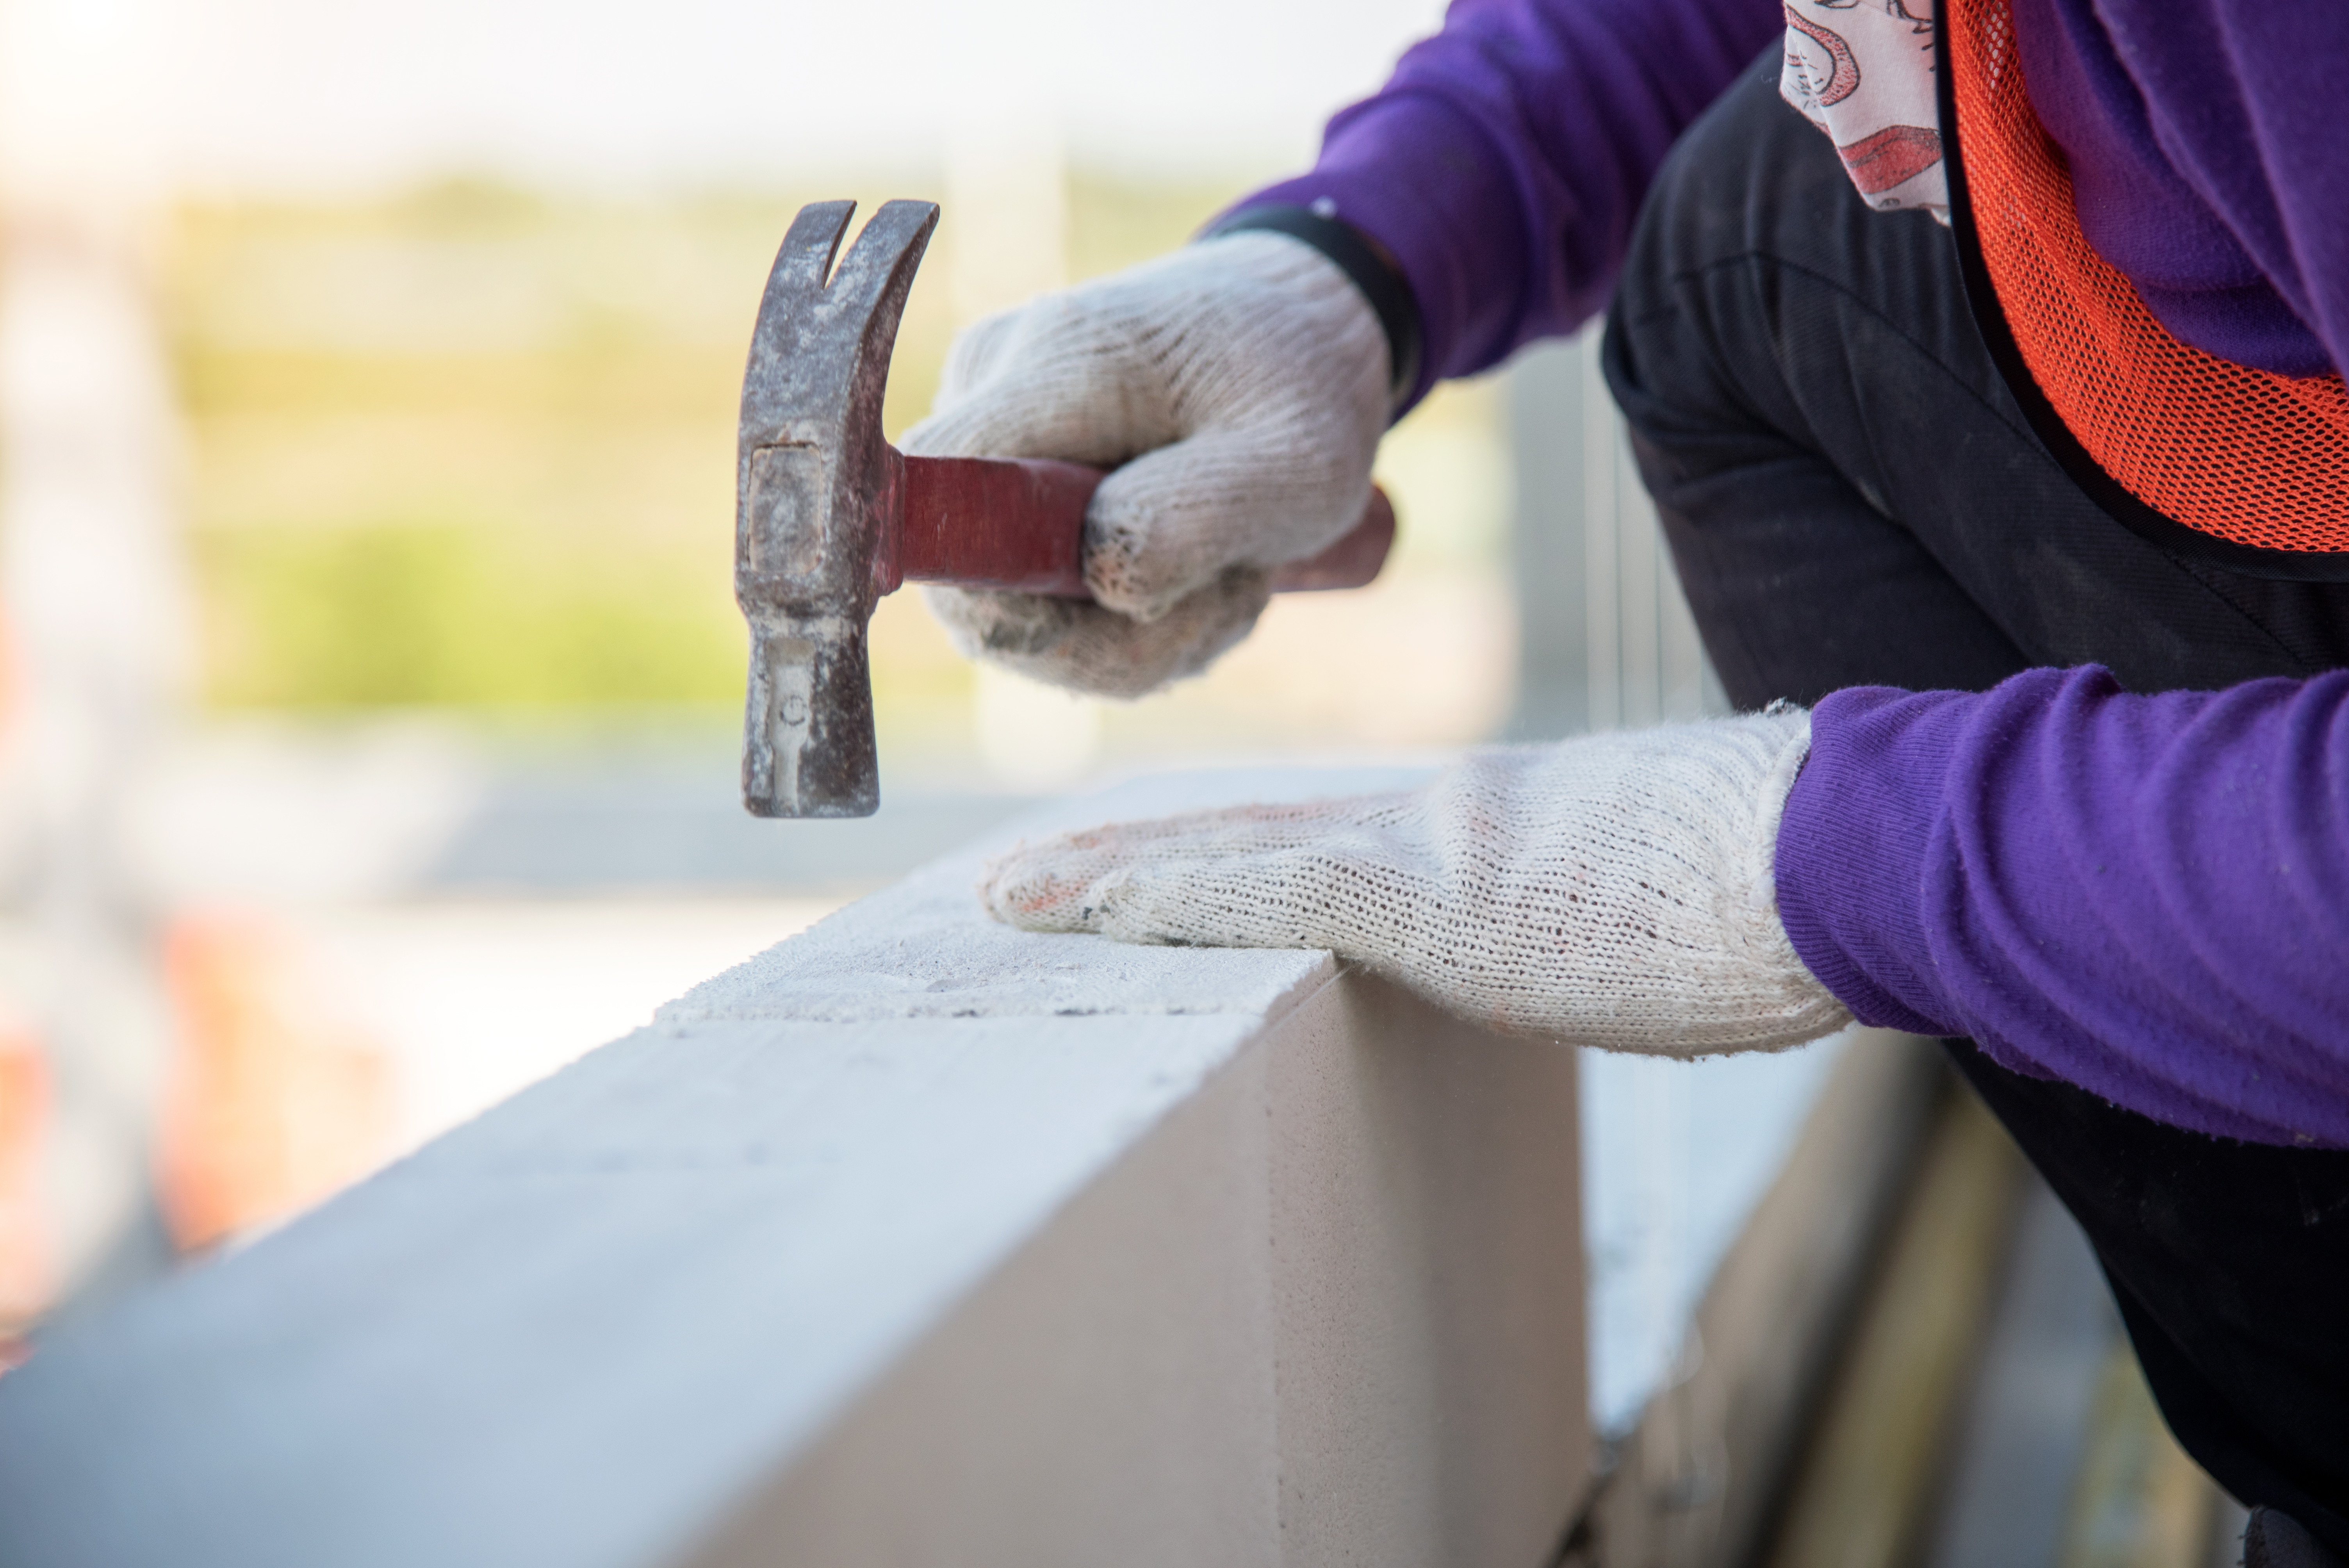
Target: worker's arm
x,y
2147,896
1503,163
1239,387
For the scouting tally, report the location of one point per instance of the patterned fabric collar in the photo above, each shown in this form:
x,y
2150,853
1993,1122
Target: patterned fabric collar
x,y
1862,71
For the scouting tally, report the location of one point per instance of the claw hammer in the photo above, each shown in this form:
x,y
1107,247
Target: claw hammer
x,y
829,516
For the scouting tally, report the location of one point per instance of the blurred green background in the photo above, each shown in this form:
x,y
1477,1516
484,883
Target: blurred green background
x,y
471,448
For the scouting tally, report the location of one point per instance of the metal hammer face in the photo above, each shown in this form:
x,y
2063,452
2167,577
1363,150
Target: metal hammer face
x,y
815,488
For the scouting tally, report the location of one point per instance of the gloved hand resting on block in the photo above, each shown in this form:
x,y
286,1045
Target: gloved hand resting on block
x,y
1614,890
1241,383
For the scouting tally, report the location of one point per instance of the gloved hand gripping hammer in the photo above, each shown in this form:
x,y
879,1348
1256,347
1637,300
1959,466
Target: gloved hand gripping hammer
x,y
829,516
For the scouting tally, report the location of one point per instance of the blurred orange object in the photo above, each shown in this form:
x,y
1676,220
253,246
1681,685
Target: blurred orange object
x,y
26,1279
277,1099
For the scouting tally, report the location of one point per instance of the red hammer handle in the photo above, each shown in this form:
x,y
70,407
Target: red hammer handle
x,y
1019,524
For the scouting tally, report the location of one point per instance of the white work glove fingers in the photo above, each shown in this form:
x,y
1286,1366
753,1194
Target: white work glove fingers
x,y
1614,890
1079,646
1251,492
1250,876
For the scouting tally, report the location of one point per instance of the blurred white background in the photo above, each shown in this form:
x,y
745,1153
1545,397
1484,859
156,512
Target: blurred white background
x,y
279,96
367,382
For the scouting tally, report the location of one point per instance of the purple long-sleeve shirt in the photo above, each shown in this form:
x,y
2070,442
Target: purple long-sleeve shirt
x,y
2144,895
1504,162
2147,896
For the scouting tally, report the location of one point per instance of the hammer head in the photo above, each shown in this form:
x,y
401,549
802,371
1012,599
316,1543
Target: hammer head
x,y
816,487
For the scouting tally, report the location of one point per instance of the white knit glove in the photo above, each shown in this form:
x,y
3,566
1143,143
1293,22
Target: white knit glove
x,y
1241,383
1614,890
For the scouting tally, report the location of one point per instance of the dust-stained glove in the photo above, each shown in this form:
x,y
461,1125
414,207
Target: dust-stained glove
x,y
1614,890
1241,383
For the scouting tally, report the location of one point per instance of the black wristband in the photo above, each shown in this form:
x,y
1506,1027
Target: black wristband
x,y
1380,282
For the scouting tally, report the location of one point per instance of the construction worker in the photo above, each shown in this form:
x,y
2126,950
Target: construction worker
x,y
2001,442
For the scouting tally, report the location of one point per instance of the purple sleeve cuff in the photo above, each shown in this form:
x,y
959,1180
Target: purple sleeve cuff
x,y
2147,896
1422,206
1831,878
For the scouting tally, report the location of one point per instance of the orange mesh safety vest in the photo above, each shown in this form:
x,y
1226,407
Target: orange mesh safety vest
x,y
2204,456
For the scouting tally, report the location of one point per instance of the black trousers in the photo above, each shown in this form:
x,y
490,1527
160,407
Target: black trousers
x,y
1853,497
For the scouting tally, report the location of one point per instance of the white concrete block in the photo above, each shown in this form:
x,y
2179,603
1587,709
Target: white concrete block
x,y
916,1241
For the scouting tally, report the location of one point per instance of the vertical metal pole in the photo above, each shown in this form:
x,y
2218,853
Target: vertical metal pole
x,y
1546,391
1641,581
1602,541
1606,639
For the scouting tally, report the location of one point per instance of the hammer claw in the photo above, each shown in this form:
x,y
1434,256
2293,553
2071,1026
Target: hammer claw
x,y
824,334
882,262
805,260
